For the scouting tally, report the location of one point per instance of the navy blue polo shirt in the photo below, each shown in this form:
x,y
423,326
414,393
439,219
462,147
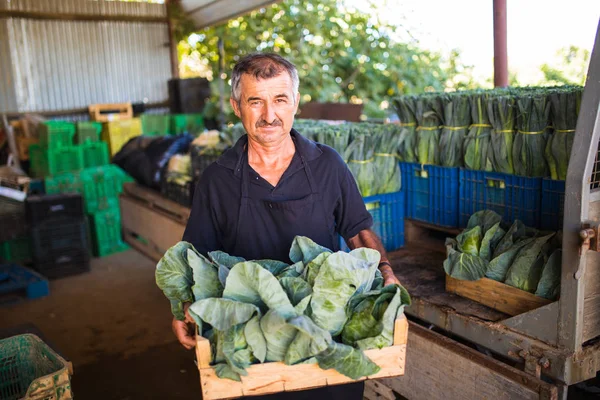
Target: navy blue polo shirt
x,y
216,204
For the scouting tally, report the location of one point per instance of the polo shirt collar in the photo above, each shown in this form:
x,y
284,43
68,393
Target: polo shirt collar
x,y
233,158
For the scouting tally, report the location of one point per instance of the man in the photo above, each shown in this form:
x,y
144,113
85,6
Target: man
x,y
275,184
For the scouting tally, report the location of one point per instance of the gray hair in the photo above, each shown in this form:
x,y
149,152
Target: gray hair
x,y
262,66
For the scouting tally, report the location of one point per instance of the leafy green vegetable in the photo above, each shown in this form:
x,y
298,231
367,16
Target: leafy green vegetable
x,y
278,334
347,360
385,337
530,140
224,371
273,266
255,338
464,266
310,341
469,241
305,250
526,269
222,314
405,108
341,275
312,269
206,278
549,285
477,146
485,219
502,111
296,289
457,118
499,266
516,231
174,277
248,282
490,240
429,115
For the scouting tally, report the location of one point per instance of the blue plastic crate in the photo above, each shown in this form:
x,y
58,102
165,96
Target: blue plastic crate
x,y
511,196
388,219
16,279
553,204
431,193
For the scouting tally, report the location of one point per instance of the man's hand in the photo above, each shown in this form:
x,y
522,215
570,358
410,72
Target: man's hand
x,y
185,330
389,278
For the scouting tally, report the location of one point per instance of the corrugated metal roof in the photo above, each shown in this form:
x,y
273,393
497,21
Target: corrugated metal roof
x,y
211,12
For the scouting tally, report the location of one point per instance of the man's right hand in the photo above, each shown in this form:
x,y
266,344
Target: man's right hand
x,y
185,330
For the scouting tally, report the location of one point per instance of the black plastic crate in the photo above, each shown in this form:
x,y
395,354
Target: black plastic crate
x,y
201,160
65,263
12,219
182,194
54,238
50,207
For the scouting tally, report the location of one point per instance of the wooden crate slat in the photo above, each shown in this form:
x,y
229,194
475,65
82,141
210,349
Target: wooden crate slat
x,y
496,295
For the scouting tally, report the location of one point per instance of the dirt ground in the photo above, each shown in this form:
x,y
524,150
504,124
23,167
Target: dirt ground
x,y
113,324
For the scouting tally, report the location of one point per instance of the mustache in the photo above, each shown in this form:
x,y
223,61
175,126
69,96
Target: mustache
x,y
262,123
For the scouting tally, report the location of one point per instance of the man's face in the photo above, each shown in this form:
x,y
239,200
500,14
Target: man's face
x,y
267,107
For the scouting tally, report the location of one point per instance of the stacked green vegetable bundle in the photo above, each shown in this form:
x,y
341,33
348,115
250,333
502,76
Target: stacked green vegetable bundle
x,y
523,131
326,308
516,255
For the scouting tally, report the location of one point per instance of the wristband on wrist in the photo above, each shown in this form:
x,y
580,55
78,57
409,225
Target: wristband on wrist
x,y
385,263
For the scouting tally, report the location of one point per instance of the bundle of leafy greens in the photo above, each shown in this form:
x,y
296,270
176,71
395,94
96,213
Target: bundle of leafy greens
x,y
532,133
405,108
502,110
325,308
387,169
361,158
477,144
565,103
457,118
429,114
518,256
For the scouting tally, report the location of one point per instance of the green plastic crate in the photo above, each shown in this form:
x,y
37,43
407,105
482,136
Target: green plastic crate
x,y
38,161
31,370
95,154
156,125
87,132
56,134
69,182
16,250
102,186
106,232
190,123
48,162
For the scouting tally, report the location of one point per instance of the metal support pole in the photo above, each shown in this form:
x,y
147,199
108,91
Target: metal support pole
x,y
500,44
221,80
172,43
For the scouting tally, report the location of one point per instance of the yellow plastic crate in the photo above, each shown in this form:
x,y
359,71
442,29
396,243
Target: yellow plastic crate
x,y
117,133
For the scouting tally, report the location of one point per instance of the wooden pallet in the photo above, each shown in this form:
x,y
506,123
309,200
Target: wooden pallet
x,y
157,202
110,112
496,295
276,377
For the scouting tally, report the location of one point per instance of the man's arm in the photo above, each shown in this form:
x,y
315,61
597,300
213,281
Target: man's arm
x,y
368,238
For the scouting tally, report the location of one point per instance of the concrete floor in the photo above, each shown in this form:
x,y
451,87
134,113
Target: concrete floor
x,y
113,324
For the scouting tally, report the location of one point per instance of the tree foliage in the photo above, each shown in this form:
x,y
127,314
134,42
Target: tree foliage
x,y
342,55
571,69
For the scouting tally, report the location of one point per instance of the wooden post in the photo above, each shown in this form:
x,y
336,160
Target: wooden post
x,y
500,47
169,4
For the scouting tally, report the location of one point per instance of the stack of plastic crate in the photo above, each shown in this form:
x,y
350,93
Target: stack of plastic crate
x,y
59,237
65,147
100,188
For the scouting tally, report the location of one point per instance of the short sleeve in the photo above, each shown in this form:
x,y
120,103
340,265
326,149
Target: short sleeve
x,y
202,227
351,215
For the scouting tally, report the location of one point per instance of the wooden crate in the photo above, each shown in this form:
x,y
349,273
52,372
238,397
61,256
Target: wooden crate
x,y
151,223
275,377
110,112
496,295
